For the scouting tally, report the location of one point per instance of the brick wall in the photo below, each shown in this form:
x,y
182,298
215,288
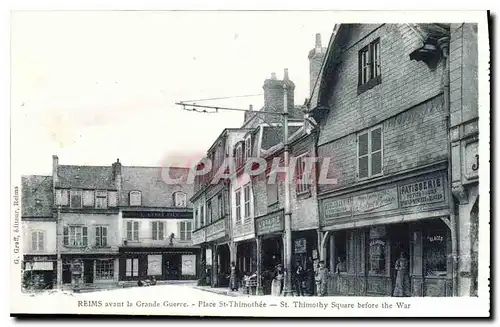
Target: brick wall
x,y
405,83
408,104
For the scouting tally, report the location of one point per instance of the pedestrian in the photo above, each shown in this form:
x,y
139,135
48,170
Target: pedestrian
x,y
321,279
300,277
233,279
277,283
402,279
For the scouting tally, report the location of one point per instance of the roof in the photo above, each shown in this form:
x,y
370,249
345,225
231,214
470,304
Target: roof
x,y
153,184
85,177
36,196
273,136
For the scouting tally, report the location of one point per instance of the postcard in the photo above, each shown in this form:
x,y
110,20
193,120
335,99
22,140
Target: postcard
x,y
250,163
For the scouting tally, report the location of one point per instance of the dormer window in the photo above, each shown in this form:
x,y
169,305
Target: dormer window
x,y
239,155
180,199
248,148
135,198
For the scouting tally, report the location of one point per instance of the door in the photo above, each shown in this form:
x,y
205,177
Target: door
x,y
88,271
172,266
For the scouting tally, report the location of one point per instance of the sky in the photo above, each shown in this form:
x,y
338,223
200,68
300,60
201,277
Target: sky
x,y
92,87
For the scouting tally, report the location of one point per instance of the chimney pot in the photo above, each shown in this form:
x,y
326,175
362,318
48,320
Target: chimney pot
x,y
286,74
318,40
273,76
250,107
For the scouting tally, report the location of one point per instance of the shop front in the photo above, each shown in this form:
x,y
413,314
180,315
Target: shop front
x,y
392,240
306,254
141,263
39,272
269,230
217,241
79,270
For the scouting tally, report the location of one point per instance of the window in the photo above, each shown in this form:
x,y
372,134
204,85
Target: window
x,y
300,174
247,200
238,206
135,198
248,148
369,63
180,199
132,268
75,236
132,230
196,219
112,198
104,269
37,241
158,230
88,198
370,153
202,215
101,236
220,205
62,197
239,155
185,230
272,193
341,252
377,250
76,199
101,199
435,251
209,212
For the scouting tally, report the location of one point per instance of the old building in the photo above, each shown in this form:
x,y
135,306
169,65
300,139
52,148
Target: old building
x,y
86,205
39,232
383,110
155,224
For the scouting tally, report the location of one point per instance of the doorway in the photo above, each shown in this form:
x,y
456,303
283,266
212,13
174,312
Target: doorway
x,y
88,271
400,243
173,264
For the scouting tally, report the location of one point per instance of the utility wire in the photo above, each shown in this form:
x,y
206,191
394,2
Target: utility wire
x,y
222,98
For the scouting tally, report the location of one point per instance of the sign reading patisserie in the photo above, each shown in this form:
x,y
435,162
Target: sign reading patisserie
x,y
421,192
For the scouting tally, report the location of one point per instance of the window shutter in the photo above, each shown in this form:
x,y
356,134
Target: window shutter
x,y
98,236
40,241
66,236
104,236
129,230
161,230
153,226
34,242
112,199
136,230
84,236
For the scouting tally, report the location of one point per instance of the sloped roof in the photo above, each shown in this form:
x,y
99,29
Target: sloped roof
x,y
36,196
86,177
153,184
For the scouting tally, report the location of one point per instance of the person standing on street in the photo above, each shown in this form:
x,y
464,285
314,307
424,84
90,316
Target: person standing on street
x,y
300,277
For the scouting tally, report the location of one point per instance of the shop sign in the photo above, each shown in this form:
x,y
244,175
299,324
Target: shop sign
x,y
471,160
216,230
158,214
435,239
336,208
198,237
422,192
270,224
376,201
300,245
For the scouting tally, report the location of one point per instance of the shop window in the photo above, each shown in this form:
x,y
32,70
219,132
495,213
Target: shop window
x,y
101,236
62,197
435,252
370,153
132,231
135,198
101,199
185,229
75,236
158,230
132,268
37,241
377,245
104,269
238,206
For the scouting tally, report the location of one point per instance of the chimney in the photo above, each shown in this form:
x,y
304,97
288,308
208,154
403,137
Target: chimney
x,y
55,164
248,115
316,56
117,174
273,95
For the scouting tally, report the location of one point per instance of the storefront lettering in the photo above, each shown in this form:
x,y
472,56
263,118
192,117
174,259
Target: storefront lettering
x,y
422,192
377,242
270,224
471,160
337,208
376,201
435,238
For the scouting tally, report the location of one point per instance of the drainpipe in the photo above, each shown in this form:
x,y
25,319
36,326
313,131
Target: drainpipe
x,y
444,45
